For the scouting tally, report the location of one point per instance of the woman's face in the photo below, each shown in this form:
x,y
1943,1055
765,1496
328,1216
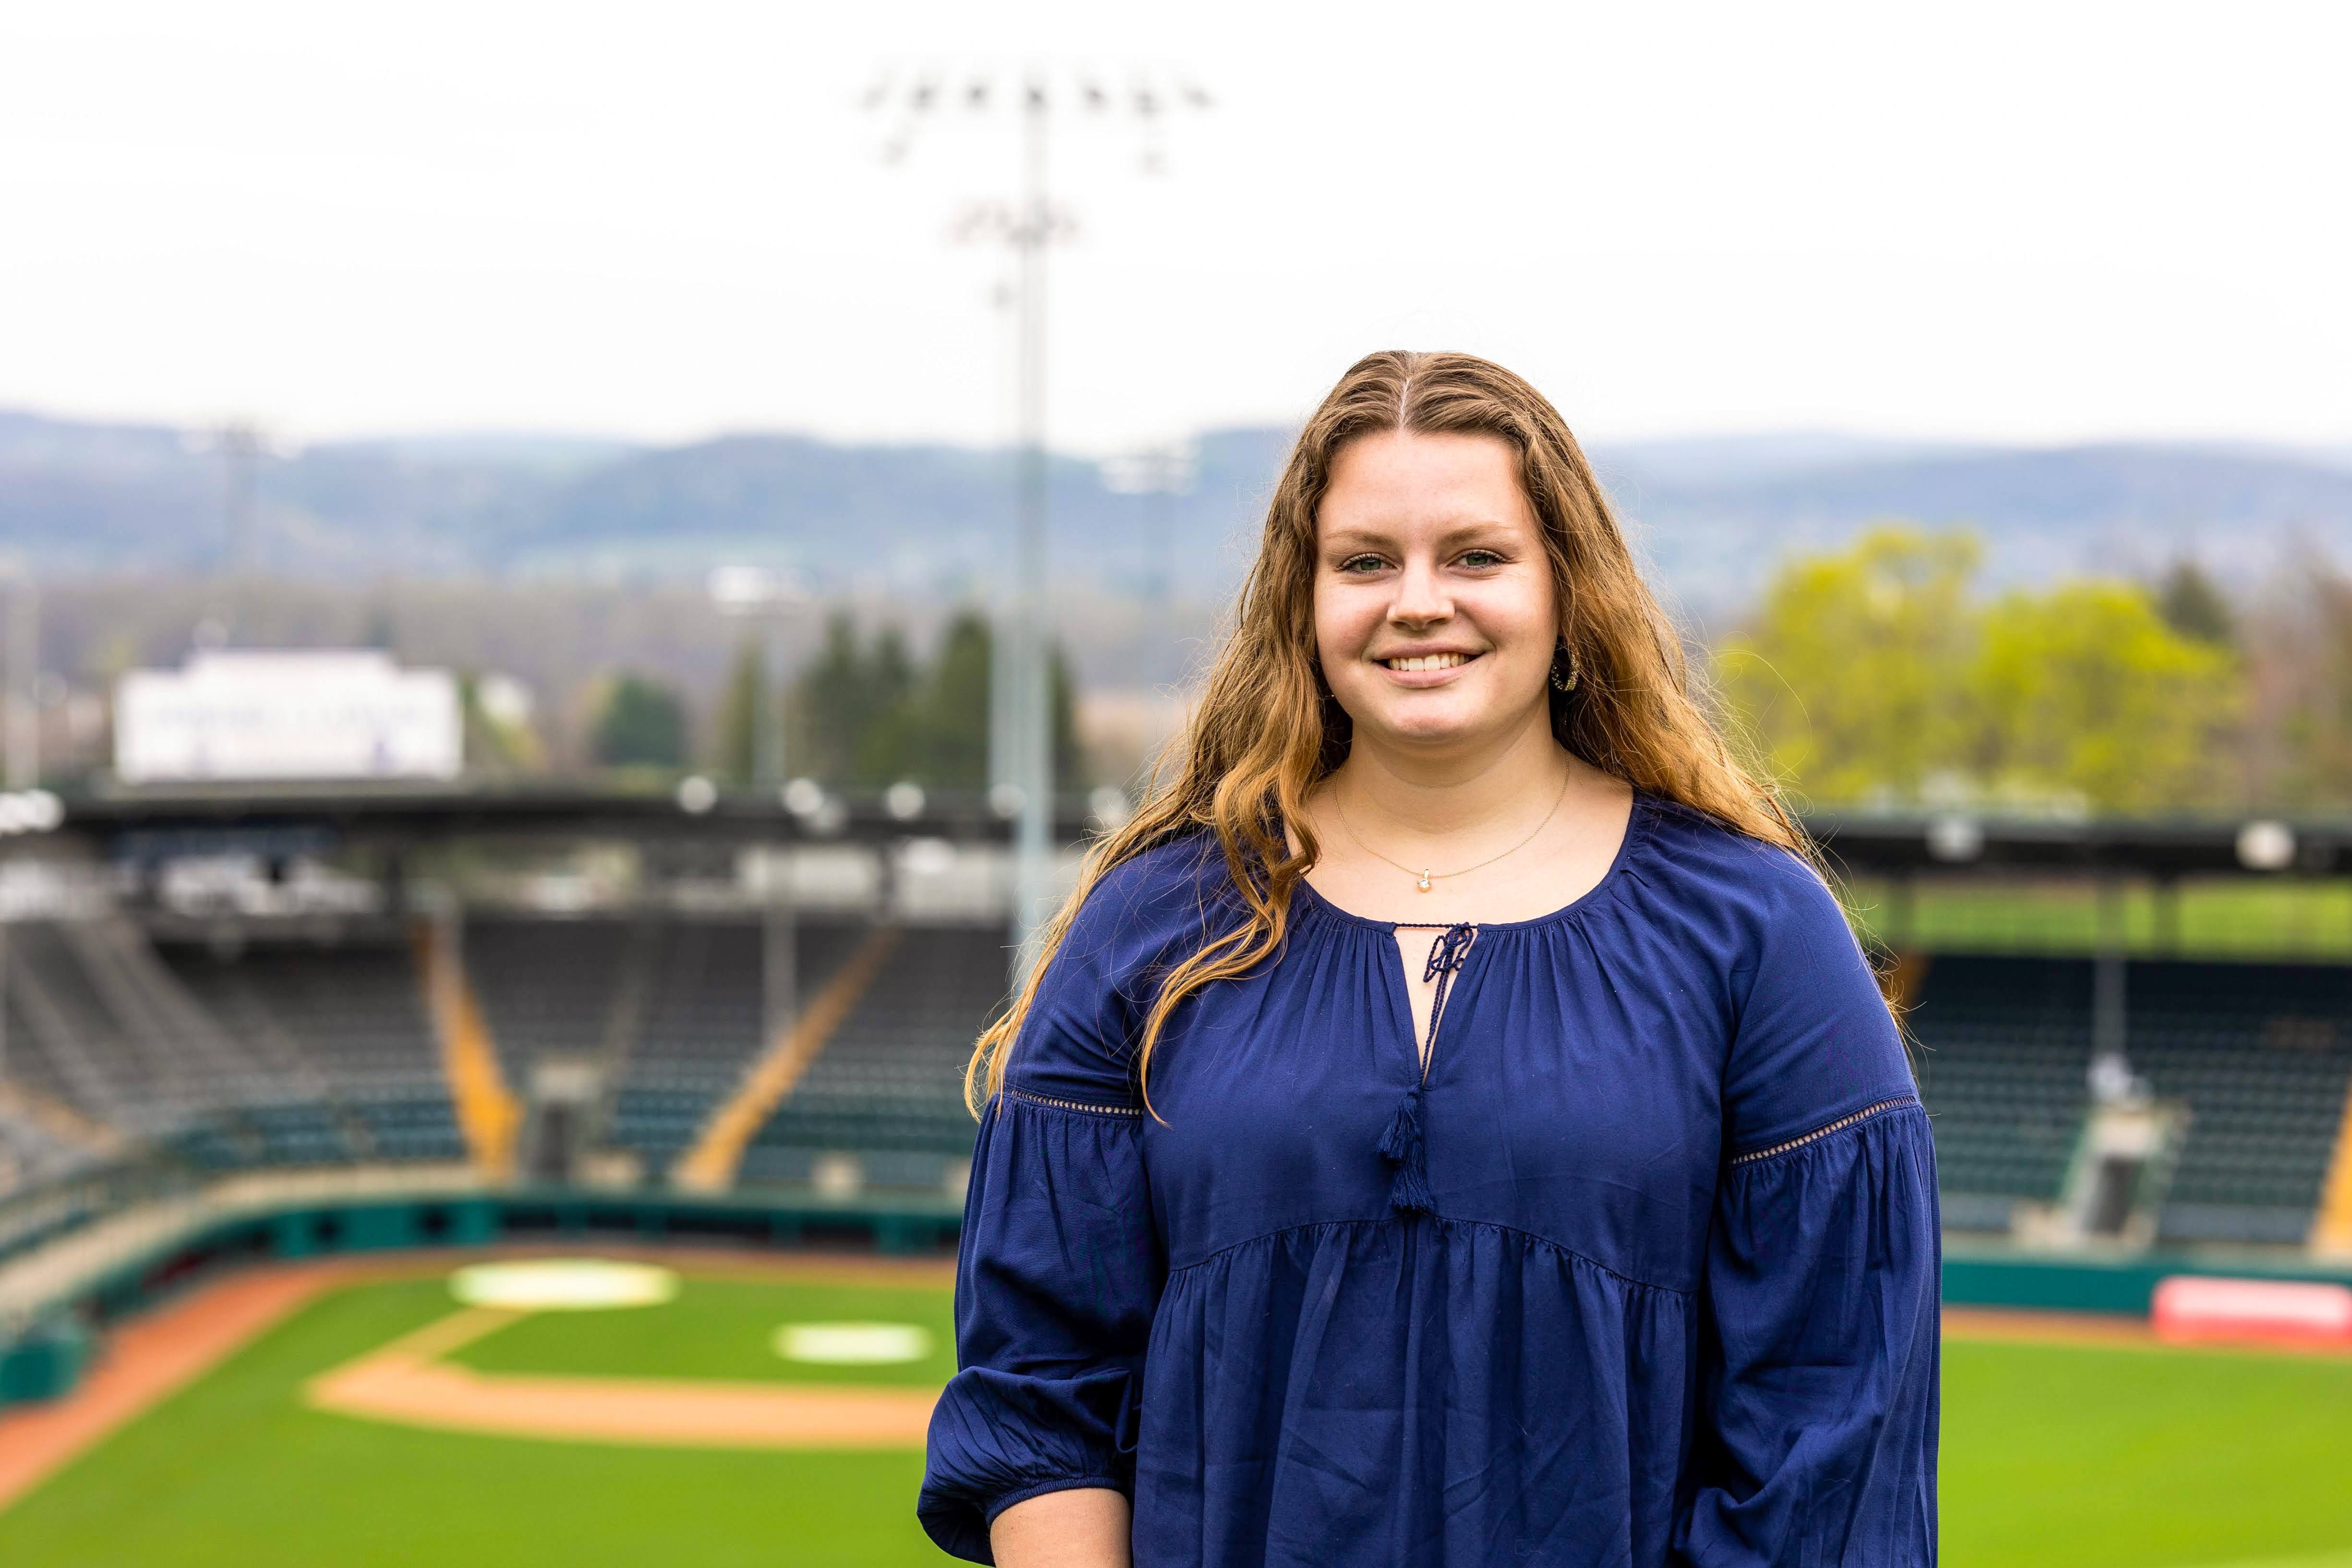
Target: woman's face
x,y
1434,614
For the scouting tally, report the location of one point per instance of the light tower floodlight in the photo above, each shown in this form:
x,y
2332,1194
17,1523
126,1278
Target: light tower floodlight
x,y
1041,96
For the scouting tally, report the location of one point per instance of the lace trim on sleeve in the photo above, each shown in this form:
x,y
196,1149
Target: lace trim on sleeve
x,y
1840,1125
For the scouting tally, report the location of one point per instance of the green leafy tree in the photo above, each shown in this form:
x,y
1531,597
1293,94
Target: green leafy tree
x,y
1846,682
1872,675
641,725
2086,690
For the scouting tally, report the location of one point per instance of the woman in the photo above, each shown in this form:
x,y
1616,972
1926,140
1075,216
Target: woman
x,y
1452,1123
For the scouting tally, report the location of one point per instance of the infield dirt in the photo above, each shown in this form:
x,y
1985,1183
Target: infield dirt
x,y
149,1358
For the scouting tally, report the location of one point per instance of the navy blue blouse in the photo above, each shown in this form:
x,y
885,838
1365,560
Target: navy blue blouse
x,y
1644,1272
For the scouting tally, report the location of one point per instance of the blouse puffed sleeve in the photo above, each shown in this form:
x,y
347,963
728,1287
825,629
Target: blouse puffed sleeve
x,y
1818,1389
1061,1268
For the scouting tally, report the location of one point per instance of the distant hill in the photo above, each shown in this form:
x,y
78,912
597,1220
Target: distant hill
x,y
2128,509
1711,514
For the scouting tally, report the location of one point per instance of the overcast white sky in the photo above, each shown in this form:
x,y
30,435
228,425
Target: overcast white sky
x,y
2039,222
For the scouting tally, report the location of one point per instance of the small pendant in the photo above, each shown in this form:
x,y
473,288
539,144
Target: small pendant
x,y
1423,883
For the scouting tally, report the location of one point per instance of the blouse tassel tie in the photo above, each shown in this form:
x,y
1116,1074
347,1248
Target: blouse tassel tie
x,y
1401,1145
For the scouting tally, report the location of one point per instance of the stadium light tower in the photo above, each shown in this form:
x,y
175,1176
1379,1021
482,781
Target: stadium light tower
x,y
762,596
1144,99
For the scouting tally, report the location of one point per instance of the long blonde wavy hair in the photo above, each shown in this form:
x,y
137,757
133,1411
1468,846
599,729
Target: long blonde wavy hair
x,y
1267,729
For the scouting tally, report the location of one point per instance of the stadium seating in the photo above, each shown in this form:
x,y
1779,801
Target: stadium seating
x,y
67,1043
346,1025
890,1083
551,987
108,1030
2001,1045
2260,1053
31,1155
298,1052
701,1026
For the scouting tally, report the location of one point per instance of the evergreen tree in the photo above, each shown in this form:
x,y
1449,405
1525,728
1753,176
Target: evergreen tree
x,y
642,724
1069,762
889,740
828,708
2193,605
955,700
850,723
866,716
738,761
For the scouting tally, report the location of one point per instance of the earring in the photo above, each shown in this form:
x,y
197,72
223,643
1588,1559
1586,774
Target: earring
x,y
1564,671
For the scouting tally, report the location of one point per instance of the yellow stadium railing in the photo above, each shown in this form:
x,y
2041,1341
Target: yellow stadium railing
x,y
709,1166
2331,1231
488,1115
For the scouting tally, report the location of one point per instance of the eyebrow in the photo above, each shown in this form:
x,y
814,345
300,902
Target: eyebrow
x,y
1339,537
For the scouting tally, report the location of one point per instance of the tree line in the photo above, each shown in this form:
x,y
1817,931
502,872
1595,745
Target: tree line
x,y
1881,675
865,712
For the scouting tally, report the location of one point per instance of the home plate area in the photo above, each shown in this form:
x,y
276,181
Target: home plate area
x,y
413,1381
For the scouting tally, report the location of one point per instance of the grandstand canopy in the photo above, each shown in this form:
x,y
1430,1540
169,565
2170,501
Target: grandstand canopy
x,y
151,824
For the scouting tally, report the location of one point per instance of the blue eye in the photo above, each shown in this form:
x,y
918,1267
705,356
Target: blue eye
x,y
1361,564
1481,558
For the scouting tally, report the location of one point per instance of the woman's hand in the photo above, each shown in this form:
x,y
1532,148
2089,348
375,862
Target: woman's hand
x,y
1085,1527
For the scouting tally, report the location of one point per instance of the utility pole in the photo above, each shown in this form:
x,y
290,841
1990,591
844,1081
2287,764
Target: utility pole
x,y
1023,740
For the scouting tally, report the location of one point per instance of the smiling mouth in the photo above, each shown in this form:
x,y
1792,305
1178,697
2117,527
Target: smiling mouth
x,y
1427,661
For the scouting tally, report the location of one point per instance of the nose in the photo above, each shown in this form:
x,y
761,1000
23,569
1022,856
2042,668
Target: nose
x,y
1421,597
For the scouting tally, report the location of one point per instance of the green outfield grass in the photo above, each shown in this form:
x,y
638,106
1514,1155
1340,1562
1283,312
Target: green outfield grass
x,y
2143,1458
2080,1457
234,1470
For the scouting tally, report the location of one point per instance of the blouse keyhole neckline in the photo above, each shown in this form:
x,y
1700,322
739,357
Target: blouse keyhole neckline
x,y
1447,955
1403,1145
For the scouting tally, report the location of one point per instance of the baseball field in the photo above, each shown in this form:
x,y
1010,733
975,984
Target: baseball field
x,y
695,1411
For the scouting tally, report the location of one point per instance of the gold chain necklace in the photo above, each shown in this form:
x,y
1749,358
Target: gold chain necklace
x,y
1424,876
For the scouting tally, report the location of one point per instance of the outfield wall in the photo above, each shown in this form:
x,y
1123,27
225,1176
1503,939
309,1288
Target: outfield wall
x,y
53,1297
1993,1277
